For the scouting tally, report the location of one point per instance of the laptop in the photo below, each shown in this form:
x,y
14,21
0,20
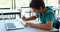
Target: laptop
x,y
14,25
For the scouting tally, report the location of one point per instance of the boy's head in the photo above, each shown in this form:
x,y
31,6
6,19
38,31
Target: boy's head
x,y
37,5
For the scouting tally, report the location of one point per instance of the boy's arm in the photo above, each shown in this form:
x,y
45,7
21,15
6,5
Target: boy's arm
x,y
30,18
46,26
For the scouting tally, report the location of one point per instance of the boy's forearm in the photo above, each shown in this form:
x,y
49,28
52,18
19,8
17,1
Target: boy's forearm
x,y
42,26
31,18
46,26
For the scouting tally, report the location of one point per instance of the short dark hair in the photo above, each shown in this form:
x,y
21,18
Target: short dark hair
x,y
37,4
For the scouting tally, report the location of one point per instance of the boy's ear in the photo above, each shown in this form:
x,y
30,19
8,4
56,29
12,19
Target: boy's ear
x,y
40,8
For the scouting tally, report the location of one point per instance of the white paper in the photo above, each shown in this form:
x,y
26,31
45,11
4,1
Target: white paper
x,y
22,21
18,24
35,21
31,21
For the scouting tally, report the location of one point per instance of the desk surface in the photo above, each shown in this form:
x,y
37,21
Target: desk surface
x,y
26,29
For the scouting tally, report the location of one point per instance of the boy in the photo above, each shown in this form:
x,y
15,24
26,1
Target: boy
x,y
46,15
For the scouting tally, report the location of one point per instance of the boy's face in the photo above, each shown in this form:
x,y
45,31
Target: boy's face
x,y
36,10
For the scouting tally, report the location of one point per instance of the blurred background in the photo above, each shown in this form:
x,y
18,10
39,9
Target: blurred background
x,y
23,6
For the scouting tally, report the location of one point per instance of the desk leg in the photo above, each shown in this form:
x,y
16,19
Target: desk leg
x,y
20,15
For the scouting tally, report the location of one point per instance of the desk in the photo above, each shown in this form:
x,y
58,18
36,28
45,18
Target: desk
x,y
9,12
26,29
3,13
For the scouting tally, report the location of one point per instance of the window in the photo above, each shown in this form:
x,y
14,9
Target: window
x,y
55,4
5,4
59,7
22,3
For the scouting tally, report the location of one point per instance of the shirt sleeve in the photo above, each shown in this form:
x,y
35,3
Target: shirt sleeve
x,y
38,15
50,17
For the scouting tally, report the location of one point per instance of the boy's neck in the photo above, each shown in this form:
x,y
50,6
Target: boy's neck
x,y
43,12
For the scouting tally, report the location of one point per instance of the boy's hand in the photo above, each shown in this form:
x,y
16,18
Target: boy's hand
x,y
29,24
24,18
